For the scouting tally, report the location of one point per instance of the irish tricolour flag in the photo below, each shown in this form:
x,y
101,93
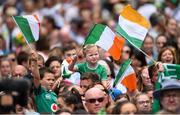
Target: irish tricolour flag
x,y
132,26
29,26
126,76
105,38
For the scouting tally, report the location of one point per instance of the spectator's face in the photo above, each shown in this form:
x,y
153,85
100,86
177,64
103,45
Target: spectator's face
x,y
172,26
48,81
145,77
92,55
128,108
5,68
125,53
19,109
170,100
70,53
94,100
55,67
143,104
148,45
167,57
19,71
85,84
160,42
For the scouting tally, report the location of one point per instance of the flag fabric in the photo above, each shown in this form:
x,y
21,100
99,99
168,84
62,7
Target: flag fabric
x,y
171,71
105,38
29,26
69,76
132,26
126,76
66,73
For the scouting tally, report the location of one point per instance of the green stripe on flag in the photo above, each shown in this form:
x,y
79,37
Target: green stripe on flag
x,y
134,41
94,34
123,68
65,73
25,28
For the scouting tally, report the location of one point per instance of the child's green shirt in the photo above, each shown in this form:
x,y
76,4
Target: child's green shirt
x,y
46,101
100,70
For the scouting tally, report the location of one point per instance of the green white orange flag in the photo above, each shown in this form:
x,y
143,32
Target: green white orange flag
x,y
29,26
132,26
105,38
126,76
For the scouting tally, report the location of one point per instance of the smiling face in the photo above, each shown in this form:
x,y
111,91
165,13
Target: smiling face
x,y
167,56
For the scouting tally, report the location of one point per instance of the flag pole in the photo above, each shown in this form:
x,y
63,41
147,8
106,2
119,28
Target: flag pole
x,y
147,56
23,35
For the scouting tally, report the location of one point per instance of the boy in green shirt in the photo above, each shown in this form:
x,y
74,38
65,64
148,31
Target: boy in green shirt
x,y
91,54
44,79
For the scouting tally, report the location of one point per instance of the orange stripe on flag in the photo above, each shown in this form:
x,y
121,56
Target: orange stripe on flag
x,y
130,82
132,15
36,17
116,48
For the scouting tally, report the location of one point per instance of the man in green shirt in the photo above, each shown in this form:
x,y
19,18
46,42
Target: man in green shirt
x,y
45,98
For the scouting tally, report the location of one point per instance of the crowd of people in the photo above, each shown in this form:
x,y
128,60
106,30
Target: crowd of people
x,y
59,75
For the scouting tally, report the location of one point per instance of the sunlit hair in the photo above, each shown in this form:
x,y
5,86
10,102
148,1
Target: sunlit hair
x,y
87,47
172,50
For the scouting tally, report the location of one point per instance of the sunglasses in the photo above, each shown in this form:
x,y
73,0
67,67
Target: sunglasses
x,y
101,99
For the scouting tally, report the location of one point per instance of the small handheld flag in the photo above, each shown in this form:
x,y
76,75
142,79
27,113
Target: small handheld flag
x,y
29,26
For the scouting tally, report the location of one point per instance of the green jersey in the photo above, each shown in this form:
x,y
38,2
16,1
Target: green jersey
x,y
100,70
46,101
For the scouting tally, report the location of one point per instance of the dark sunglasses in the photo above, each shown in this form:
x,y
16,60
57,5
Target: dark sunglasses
x,y
101,99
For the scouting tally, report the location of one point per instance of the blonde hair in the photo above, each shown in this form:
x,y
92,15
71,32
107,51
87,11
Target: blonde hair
x,y
87,47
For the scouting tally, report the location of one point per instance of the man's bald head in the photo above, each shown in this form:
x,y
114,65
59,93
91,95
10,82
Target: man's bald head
x,y
95,100
19,71
93,91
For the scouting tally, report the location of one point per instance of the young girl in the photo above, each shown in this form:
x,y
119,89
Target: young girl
x,y
91,64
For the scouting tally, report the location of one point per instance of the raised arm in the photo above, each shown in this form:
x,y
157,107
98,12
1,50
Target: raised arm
x,y
34,68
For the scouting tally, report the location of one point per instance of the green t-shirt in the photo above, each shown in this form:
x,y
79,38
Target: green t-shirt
x,y
100,70
46,101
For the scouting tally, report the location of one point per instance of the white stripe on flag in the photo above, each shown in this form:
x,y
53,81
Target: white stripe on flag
x,y
34,26
106,39
132,29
